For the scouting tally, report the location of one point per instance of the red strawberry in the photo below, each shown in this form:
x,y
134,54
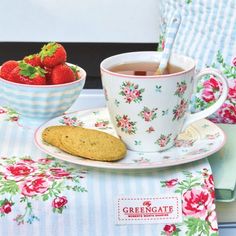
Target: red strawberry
x,y
52,54
62,74
27,74
48,74
7,67
15,75
33,60
76,71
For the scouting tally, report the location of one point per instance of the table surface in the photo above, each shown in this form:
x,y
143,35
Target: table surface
x,y
94,99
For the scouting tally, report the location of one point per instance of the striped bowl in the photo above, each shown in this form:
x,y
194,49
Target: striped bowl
x,y
41,102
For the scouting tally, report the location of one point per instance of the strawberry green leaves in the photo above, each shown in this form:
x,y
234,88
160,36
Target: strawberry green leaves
x,y
30,71
48,50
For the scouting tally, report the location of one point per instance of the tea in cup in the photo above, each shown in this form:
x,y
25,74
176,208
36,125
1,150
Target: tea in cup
x,y
149,111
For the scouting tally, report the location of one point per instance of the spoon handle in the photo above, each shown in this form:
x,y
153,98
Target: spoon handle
x,y
172,30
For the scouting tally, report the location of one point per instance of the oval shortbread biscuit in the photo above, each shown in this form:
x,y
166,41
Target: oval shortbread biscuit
x,y
87,143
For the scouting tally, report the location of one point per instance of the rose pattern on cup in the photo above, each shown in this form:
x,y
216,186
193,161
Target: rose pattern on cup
x,y
124,123
181,88
131,92
163,140
180,109
150,129
148,107
148,114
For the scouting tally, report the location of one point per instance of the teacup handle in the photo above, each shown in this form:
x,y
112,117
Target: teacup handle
x,y
190,118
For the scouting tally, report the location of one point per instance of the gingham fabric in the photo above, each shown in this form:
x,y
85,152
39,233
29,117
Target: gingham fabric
x,y
207,33
173,27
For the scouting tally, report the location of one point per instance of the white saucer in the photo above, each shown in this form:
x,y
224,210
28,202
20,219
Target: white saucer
x,y
200,140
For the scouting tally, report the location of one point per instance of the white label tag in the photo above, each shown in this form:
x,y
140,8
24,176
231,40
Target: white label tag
x,y
148,210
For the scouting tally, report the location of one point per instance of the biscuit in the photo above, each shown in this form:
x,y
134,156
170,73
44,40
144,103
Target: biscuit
x,y
87,143
52,135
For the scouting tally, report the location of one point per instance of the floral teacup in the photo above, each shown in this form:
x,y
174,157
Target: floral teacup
x,y
149,112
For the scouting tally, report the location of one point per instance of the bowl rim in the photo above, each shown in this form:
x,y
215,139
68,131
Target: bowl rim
x,y
83,77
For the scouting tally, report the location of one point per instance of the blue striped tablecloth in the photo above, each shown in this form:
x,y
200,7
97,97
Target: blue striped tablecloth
x,y
41,195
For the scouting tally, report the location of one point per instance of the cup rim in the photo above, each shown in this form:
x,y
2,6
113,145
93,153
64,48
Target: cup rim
x,y
103,69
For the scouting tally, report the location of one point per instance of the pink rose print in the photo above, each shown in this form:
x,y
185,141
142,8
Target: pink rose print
x,y
228,113
59,202
58,173
196,203
14,118
44,160
209,182
42,179
28,161
2,111
103,124
148,114
211,90
169,229
150,129
181,88
71,121
184,143
35,186
234,62
212,219
131,92
232,91
163,44
180,109
163,140
18,171
125,124
5,208
171,183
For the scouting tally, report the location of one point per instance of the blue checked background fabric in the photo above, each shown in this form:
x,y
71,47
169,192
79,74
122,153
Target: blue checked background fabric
x,y
173,27
208,34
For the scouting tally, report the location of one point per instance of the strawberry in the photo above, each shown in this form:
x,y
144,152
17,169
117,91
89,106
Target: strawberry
x,y
62,74
52,54
48,74
76,71
15,75
26,74
7,67
33,60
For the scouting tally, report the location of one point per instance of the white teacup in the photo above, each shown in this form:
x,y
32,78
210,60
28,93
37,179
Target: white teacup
x,y
148,112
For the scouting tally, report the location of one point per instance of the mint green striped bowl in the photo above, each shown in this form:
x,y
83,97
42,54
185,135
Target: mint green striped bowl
x,y
41,102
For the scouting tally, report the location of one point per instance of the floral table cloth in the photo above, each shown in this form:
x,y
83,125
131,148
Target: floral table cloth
x,y
41,195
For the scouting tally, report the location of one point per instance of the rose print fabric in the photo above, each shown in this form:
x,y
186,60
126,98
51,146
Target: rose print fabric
x,y
41,195
208,34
